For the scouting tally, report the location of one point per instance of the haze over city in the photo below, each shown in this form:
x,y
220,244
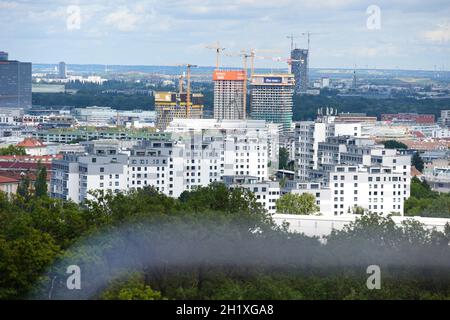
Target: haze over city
x,y
409,35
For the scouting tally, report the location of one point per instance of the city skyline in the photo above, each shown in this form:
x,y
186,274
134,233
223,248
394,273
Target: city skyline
x,y
405,34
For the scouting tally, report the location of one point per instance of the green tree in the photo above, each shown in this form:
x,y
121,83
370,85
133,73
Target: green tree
x,y
38,234
13,151
132,288
417,162
421,189
283,158
40,185
23,189
304,204
394,144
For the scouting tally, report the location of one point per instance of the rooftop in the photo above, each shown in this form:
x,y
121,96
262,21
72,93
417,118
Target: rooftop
x,y
4,180
31,143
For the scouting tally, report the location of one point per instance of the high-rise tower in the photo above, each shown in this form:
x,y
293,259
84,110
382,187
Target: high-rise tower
x,y
300,69
62,71
15,83
271,98
229,94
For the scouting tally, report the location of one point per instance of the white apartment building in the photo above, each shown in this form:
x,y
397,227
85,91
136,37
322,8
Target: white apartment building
x,y
158,164
267,192
308,135
344,170
77,174
193,155
374,188
246,147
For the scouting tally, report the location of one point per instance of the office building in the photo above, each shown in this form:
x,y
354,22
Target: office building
x,y
62,71
300,69
3,56
229,97
271,98
15,83
103,116
89,134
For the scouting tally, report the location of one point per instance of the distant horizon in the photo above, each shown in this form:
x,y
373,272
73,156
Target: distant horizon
x,y
233,67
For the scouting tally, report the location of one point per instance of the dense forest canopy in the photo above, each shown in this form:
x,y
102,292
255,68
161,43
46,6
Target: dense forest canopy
x,y
211,243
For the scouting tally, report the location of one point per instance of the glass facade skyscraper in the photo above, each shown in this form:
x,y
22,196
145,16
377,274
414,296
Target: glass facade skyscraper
x,y
271,98
15,83
300,69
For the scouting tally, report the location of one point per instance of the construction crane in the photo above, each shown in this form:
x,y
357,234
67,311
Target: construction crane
x,y
218,49
292,37
188,89
253,56
289,61
309,34
245,55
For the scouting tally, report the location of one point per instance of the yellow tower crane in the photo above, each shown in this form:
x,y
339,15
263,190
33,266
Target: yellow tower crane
x,y
188,89
245,55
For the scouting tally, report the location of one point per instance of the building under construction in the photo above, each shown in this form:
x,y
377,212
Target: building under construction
x,y
300,69
171,105
229,97
271,98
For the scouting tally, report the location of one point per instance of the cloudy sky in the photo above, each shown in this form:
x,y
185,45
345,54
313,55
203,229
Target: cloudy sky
x,y
407,34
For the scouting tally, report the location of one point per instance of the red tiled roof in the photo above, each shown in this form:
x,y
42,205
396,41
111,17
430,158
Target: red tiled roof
x,y
31,143
418,134
31,159
17,175
22,165
415,172
4,180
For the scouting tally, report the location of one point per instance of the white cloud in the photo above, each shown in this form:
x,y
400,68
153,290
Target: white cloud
x,y
42,16
123,20
8,5
322,4
440,35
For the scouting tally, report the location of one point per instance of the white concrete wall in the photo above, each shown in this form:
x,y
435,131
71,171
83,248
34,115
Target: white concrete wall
x,y
322,226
